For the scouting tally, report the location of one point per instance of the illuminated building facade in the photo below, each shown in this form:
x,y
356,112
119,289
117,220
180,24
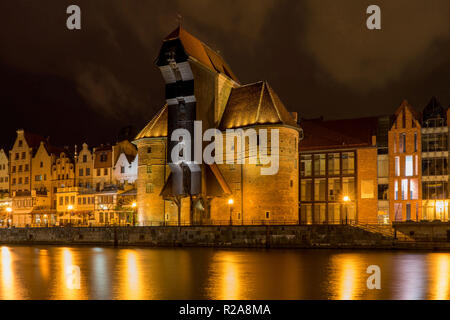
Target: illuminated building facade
x,y
200,86
435,152
4,174
405,165
338,171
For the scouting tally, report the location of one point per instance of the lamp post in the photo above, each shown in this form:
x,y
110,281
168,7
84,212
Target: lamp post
x,y
346,200
230,204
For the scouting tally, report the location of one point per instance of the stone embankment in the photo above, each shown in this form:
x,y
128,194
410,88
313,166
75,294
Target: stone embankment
x,y
314,236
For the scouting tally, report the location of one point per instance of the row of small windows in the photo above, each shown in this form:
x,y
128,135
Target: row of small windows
x,y
20,181
22,156
318,190
4,179
410,168
2,166
20,168
410,185
401,143
327,164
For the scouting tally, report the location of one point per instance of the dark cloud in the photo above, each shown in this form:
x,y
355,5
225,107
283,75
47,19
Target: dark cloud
x,y
317,54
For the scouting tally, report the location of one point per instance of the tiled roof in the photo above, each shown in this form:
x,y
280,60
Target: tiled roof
x,y
201,52
336,134
157,127
254,104
33,140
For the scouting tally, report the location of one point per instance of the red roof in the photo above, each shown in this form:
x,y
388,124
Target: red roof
x,y
335,134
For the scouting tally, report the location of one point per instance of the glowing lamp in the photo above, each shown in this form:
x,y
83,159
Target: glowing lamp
x,y
134,204
230,201
9,209
346,199
69,207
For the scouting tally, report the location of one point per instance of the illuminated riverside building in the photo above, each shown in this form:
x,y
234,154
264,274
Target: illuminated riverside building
x,y
405,165
338,171
435,153
200,86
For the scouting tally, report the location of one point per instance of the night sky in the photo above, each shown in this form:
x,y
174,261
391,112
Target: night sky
x,y
318,55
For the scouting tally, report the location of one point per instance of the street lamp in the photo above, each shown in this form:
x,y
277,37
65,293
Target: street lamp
x,y
230,204
346,200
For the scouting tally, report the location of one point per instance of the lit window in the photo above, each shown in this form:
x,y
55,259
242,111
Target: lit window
x,y
408,166
396,190
405,189
397,166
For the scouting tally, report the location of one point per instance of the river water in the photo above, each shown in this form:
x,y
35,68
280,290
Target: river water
x,y
51,272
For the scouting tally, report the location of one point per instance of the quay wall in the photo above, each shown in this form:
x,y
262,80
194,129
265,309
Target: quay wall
x,y
313,236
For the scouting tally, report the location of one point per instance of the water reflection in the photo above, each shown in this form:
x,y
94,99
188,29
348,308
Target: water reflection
x,y
130,270
108,273
8,290
347,276
441,266
410,277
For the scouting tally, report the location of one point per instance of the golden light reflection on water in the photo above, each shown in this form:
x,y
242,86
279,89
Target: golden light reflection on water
x,y
44,264
107,273
225,280
65,289
130,271
8,289
347,276
440,270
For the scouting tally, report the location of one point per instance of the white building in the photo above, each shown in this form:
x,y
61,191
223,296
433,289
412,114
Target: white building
x,y
125,169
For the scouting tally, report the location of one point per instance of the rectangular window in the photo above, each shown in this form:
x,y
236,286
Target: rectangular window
x,y
348,163
408,166
319,164
383,167
149,168
348,188
397,166
334,189
383,191
149,188
122,169
98,172
149,149
402,143
334,164
416,165
88,172
414,189
105,171
319,189
84,158
405,189
306,190
415,142
80,172
61,201
396,190
306,165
